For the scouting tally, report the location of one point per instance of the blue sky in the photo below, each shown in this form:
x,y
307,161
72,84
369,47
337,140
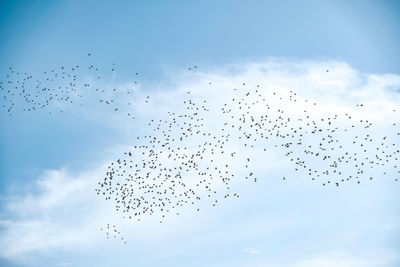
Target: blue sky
x,y
160,40
154,37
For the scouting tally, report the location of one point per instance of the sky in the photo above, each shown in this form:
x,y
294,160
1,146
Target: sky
x,y
51,163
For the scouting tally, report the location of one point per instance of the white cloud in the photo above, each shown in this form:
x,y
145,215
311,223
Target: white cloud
x,y
346,259
64,213
56,215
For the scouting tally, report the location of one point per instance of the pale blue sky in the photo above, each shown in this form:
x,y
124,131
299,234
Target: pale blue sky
x,y
158,39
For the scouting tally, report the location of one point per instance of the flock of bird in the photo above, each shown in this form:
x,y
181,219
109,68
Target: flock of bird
x,y
191,156
63,87
199,152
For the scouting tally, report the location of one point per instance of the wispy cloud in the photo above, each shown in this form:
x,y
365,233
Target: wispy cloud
x,y
64,213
